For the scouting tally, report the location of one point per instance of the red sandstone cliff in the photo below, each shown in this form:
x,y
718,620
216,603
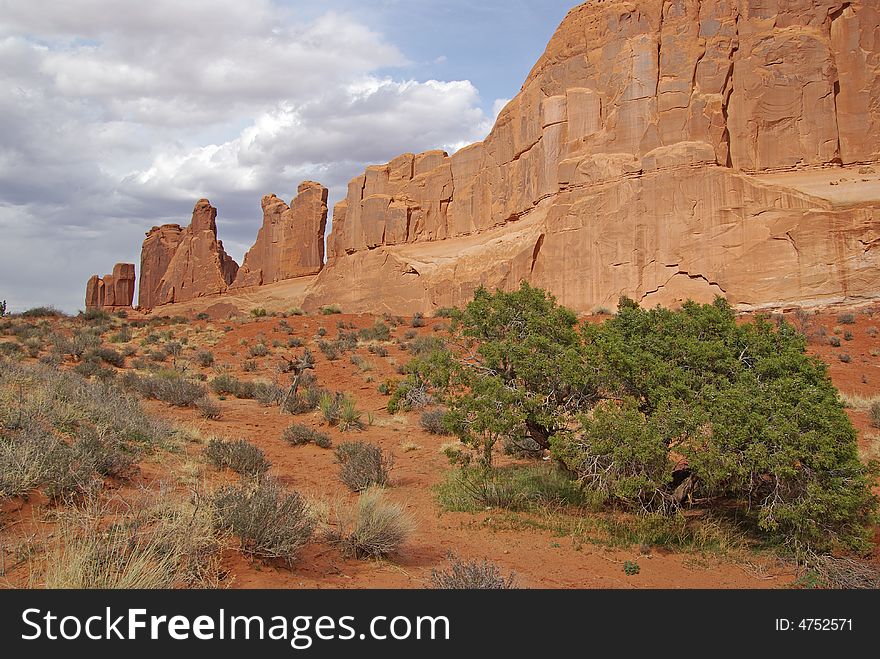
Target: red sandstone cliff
x,y
113,290
660,149
178,265
645,156
290,243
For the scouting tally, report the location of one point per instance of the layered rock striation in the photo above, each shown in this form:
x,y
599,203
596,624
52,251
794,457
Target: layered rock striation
x,y
638,159
290,242
111,291
659,149
156,253
181,264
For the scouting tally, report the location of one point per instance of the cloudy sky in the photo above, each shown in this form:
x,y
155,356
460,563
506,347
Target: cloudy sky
x,y
116,116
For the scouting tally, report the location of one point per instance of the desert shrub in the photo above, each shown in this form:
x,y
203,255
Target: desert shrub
x,y
9,349
224,384
61,400
340,410
844,357
109,356
296,311
418,320
446,312
330,310
228,384
258,350
349,417
472,575
843,572
208,407
259,313
470,489
91,367
239,455
105,453
411,394
205,358
70,475
249,366
176,390
330,350
78,344
631,568
426,345
159,355
380,351
378,332
203,316
834,341
298,435
267,393
846,319
362,465
32,458
757,420
373,528
432,422
874,413
323,441
294,343
24,461
171,544
122,336
44,312
53,359
847,336
95,316
302,401
269,521
346,341
313,395
33,347
621,455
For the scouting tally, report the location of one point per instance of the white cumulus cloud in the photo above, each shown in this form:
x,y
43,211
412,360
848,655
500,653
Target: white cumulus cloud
x,y
117,116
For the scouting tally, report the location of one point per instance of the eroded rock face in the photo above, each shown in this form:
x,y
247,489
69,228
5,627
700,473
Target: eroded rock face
x,y
113,290
200,266
158,249
637,156
290,243
178,265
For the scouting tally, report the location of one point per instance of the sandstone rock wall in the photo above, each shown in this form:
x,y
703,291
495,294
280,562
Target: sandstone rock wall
x,y
113,290
178,265
156,254
290,242
634,150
